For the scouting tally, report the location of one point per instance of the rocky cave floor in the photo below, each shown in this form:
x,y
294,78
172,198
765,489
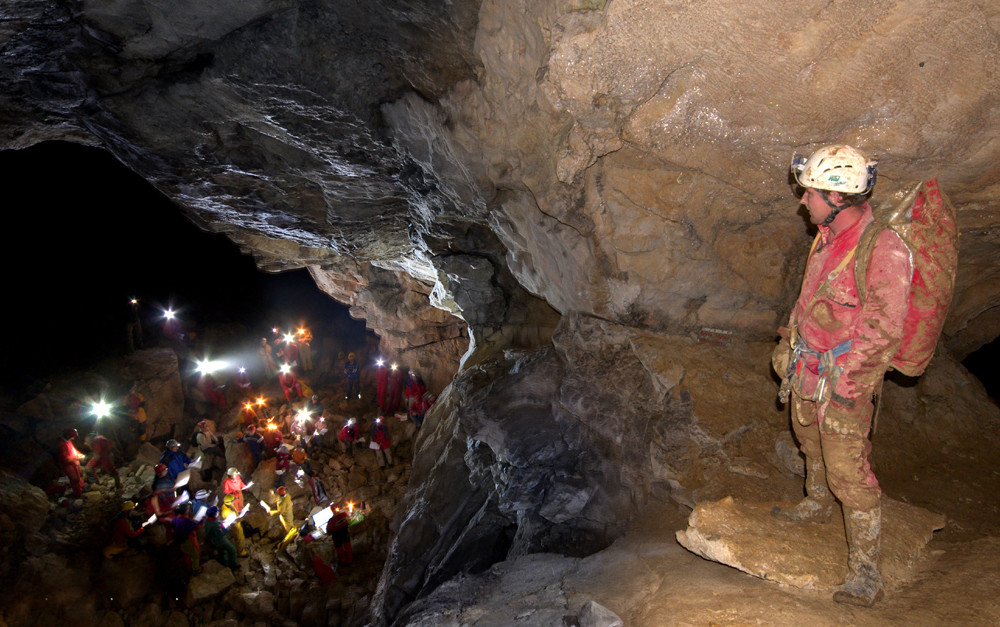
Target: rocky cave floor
x,y
647,579
644,578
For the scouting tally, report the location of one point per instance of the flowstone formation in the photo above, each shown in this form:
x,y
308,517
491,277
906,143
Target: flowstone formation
x,y
471,176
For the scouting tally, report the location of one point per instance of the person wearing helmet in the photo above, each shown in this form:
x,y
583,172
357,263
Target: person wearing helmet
x,y
233,486
282,462
267,358
200,501
397,381
186,537
381,383
216,534
415,390
305,338
286,515
353,374
288,352
835,352
174,459
125,529
236,528
69,461
338,528
380,438
101,455
136,405
255,444
348,435
210,446
290,383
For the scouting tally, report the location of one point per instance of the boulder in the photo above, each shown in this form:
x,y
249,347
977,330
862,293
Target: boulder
x,y
213,581
594,614
745,536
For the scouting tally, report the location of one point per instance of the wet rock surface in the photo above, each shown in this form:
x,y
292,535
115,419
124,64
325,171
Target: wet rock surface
x,y
813,556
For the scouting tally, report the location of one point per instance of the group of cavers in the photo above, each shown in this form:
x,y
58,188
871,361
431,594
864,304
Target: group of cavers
x,y
190,520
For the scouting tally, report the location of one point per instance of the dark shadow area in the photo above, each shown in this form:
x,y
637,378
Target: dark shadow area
x,y
85,234
983,364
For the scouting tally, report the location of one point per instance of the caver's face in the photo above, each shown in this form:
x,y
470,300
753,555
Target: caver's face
x,y
814,203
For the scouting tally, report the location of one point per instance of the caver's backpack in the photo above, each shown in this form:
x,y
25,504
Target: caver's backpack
x,y
925,221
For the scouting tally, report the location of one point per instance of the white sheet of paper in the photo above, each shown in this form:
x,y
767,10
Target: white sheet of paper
x,y
230,519
373,445
183,477
322,517
247,486
202,510
150,521
196,463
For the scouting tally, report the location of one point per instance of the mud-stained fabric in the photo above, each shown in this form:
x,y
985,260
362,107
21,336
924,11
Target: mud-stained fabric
x,y
841,442
828,313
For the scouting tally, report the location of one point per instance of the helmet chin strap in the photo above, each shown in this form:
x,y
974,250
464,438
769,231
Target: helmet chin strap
x,y
836,209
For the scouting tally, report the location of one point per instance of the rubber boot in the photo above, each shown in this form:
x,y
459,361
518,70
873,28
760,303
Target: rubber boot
x,y
817,507
864,535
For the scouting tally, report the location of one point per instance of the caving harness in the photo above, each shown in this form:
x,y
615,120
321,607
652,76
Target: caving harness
x,y
829,371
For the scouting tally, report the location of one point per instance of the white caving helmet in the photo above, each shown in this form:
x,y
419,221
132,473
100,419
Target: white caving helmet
x,y
836,168
232,472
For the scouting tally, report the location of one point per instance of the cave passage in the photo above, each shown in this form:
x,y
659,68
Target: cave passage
x,y
94,234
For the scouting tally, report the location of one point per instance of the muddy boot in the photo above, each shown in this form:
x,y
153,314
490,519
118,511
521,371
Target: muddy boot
x,y
817,507
864,533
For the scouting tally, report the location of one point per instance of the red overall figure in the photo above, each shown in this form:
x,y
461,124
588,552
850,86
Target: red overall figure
x,y
290,354
233,484
381,384
415,390
290,385
213,393
69,460
396,383
102,457
337,529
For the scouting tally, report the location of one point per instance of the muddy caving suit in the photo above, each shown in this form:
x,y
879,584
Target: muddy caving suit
x,y
842,348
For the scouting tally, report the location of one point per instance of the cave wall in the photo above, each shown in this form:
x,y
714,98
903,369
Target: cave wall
x,y
522,192
628,157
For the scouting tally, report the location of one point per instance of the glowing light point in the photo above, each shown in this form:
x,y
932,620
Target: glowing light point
x,y
169,314
379,362
285,368
243,370
394,366
101,409
289,338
